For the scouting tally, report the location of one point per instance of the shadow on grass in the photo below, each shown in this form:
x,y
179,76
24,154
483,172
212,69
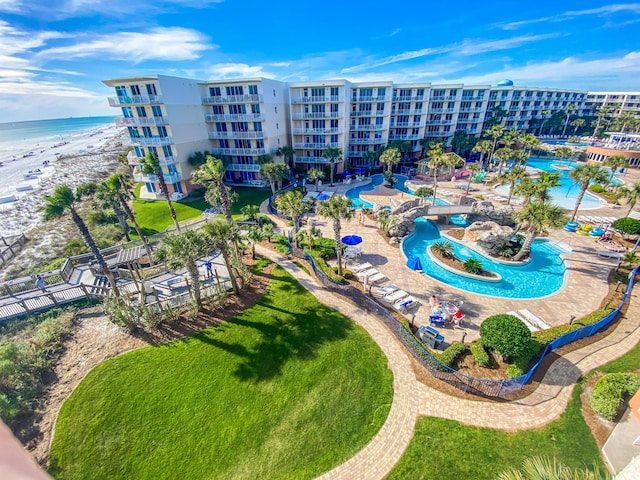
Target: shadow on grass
x,y
285,330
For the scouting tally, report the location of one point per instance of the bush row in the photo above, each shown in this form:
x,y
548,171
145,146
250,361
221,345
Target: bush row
x,y
479,353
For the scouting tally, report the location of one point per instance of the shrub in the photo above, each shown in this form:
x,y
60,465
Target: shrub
x,y
609,393
444,249
473,266
521,363
505,333
326,269
627,225
75,247
479,353
596,188
281,244
451,354
325,247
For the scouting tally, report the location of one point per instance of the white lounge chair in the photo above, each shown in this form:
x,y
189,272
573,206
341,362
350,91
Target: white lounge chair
x,y
359,267
386,290
361,275
532,328
534,320
395,297
405,303
375,278
608,254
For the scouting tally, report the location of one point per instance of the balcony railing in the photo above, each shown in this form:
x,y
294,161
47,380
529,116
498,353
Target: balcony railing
x,y
365,141
472,99
133,160
297,159
315,115
238,167
151,141
317,131
234,135
232,99
138,176
366,128
133,99
318,99
414,98
444,98
470,109
368,113
238,151
405,124
353,153
234,117
396,136
368,99
316,146
439,122
141,121
418,111
441,110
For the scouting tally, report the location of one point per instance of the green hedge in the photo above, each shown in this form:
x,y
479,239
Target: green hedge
x,y
507,334
326,269
451,354
479,353
609,393
281,243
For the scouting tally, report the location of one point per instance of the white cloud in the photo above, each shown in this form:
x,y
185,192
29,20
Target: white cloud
x,y
161,43
603,11
10,6
233,70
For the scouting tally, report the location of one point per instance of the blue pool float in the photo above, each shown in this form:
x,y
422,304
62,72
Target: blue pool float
x,y
596,232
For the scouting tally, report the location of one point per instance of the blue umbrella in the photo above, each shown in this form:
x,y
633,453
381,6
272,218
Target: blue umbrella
x,y
352,240
346,174
360,170
414,264
322,196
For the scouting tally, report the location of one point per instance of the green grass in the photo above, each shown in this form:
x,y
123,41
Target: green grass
x,y
445,449
630,362
153,215
287,389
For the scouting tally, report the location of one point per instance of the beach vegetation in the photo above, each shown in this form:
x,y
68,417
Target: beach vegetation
x,y
545,467
275,173
443,249
287,152
222,236
627,226
423,192
300,386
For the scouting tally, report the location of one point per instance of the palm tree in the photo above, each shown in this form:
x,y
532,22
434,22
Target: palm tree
x,y
198,158
503,154
631,193
118,184
510,138
603,111
309,236
437,160
371,157
460,142
403,146
211,174
268,230
543,183
390,157
495,132
337,208
443,249
545,117
62,200
250,212
264,159
291,204
287,152
107,198
544,468
474,167
219,235
623,120
151,166
268,171
512,177
333,155
564,152
423,192
614,162
255,235
315,175
583,175
570,109
483,147
539,216
453,160
576,124
182,250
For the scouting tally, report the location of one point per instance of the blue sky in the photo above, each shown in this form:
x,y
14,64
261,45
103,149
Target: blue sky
x,y
54,53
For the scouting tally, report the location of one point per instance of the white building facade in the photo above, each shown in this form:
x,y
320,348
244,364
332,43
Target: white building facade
x,y
241,120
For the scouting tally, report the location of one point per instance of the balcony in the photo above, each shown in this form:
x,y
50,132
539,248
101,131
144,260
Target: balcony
x,y
366,128
234,135
368,99
138,176
151,141
315,146
132,159
478,98
396,136
317,131
315,115
365,141
234,117
415,98
439,122
134,99
470,109
231,99
238,151
297,159
405,125
238,167
368,113
408,112
441,110
141,121
318,99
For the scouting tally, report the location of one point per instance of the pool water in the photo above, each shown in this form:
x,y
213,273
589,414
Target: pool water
x,y
566,194
544,275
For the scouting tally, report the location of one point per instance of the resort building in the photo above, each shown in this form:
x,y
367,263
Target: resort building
x,y
241,120
625,145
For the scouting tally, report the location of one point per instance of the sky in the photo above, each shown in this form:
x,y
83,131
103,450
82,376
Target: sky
x,y
54,54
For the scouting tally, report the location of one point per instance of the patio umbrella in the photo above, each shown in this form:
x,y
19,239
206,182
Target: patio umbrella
x,y
322,196
414,264
347,173
360,170
352,240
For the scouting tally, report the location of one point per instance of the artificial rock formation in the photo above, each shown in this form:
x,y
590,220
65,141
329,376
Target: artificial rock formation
x,y
489,236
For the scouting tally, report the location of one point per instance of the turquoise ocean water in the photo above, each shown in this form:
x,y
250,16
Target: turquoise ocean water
x,y
19,137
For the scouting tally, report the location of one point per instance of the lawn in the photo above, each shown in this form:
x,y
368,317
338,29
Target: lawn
x,y
153,215
287,389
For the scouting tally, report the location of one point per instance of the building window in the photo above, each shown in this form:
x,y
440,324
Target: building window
x,y
334,91
214,91
157,111
253,89
237,90
121,91
255,108
218,110
381,92
162,132
151,89
141,111
257,126
276,109
135,90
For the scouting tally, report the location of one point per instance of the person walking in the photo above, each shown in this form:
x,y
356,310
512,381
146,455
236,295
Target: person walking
x,y
40,283
209,266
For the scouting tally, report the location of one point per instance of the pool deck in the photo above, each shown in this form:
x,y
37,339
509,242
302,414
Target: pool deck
x,y
582,293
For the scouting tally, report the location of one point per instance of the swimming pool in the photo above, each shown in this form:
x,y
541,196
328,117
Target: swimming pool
x,y
544,275
566,194
378,179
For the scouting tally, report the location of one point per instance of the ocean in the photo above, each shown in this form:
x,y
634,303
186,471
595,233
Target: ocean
x,y
18,138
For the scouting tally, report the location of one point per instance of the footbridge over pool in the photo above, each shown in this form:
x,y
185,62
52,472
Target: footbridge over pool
x,y
448,210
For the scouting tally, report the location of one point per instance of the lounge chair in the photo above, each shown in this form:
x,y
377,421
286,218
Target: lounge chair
x,y
608,254
405,303
530,326
386,290
534,320
395,297
359,267
361,275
